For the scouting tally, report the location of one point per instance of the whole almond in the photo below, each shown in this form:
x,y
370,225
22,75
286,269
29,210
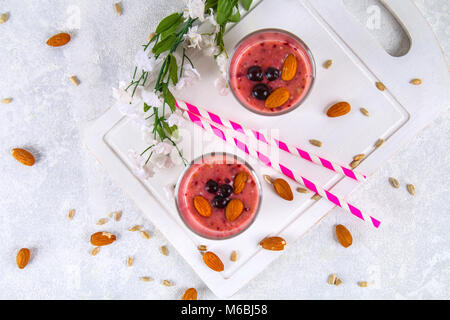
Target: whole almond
x,y
283,189
190,294
277,98
202,206
102,238
213,261
273,243
339,109
289,68
344,236
23,257
239,182
234,209
23,156
59,40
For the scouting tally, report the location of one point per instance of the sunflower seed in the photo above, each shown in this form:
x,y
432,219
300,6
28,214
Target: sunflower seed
x,y
364,111
164,250
71,214
316,197
379,143
130,261
118,215
411,189
268,179
3,18
6,100
102,221
146,279
150,37
394,182
75,80
95,251
332,279
416,82
118,8
302,190
135,228
354,163
202,247
359,157
380,86
363,284
315,142
338,281
167,283
145,235
327,64
234,256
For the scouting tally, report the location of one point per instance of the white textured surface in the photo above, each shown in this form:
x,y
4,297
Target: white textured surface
x,y
409,257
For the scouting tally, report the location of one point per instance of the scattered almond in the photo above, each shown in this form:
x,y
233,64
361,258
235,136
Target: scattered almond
x,y
380,86
23,156
365,112
289,68
130,261
359,157
118,8
363,284
239,182
344,236
202,247
268,179
75,80
337,282
145,235
273,243
102,221
354,163
190,294
6,100
202,206
283,189
102,238
277,98
379,143
302,190
394,182
234,209
234,256
71,214
327,64
3,18
146,279
411,189
23,257
58,40
164,250
213,261
135,228
332,279
416,82
95,251
167,283
315,142
316,197
339,109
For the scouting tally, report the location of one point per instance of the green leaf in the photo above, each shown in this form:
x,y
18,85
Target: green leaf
x,y
246,4
235,17
171,30
211,4
164,45
168,22
224,10
169,99
173,69
146,107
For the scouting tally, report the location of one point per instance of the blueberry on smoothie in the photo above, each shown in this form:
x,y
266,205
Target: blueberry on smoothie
x,y
260,91
220,202
212,186
225,190
255,73
272,74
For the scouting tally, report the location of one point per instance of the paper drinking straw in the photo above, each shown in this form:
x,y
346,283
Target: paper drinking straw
x,y
260,138
226,135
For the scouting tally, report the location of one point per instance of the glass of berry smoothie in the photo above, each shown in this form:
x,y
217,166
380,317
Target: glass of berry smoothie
x,y
218,196
271,71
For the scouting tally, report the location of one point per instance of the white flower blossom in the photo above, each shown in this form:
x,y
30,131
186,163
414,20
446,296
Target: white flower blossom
x,y
209,45
193,37
176,119
195,9
222,62
162,148
138,166
162,161
211,19
169,190
146,63
120,94
190,75
151,98
221,84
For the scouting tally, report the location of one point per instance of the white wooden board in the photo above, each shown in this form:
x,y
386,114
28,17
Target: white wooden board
x,y
331,33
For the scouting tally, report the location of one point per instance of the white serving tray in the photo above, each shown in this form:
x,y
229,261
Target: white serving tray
x,y
331,32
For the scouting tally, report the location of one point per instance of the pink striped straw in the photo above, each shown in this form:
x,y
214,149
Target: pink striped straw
x,y
227,135
260,138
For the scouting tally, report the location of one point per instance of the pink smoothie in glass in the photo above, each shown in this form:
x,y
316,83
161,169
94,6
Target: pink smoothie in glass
x,y
266,50
221,169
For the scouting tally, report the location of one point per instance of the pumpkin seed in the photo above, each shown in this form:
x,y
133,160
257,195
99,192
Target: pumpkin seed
x,y
315,142
364,111
302,190
327,64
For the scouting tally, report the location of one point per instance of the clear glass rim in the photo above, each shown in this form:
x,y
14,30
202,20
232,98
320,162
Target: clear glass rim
x,y
240,160
307,50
